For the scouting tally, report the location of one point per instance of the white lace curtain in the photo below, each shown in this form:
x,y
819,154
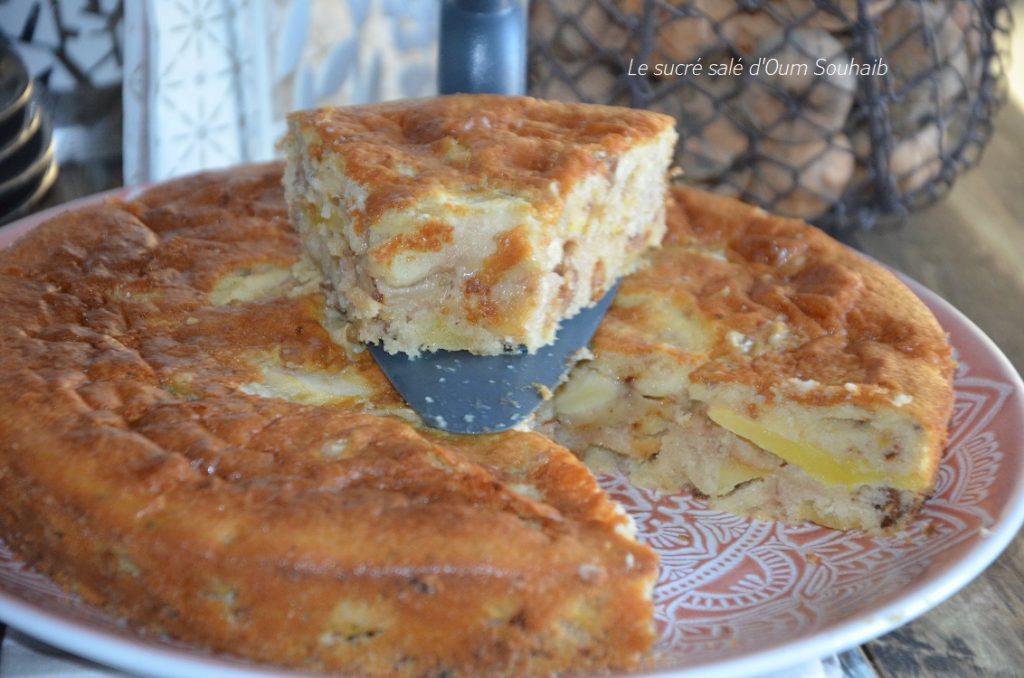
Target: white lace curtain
x,y
207,84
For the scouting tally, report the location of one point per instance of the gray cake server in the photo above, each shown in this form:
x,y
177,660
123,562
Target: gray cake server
x,y
483,50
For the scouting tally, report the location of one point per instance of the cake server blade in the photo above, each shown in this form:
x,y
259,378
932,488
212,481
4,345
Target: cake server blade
x,y
459,392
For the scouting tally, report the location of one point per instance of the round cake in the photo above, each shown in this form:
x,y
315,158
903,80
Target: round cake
x,y
193,439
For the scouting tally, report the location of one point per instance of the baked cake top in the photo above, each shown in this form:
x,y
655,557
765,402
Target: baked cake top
x,y
533,149
132,321
749,298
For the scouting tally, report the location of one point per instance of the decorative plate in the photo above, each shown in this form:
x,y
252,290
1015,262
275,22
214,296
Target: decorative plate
x,y
735,597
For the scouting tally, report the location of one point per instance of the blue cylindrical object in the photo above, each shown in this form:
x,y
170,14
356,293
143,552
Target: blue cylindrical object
x,y
482,47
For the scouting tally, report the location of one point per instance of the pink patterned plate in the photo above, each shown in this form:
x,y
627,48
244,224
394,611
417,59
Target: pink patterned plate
x,y
736,597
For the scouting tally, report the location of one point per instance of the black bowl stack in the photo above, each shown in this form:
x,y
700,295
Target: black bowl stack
x,y
28,162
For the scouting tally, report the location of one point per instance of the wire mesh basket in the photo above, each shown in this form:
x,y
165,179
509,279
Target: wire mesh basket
x,y
846,113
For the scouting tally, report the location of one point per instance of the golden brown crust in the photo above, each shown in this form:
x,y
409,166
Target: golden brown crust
x,y
520,144
852,320
781,301
137,472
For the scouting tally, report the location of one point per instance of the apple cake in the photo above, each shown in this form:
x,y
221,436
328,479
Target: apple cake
x,y
189,440
475,222
764,366
192,438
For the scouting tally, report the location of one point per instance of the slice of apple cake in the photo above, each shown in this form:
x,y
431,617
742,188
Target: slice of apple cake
x,y
475,222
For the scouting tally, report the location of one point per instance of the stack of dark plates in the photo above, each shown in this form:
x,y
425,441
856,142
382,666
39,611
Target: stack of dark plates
x,y
28,164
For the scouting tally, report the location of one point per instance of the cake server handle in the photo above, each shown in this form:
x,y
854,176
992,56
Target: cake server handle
x,y
483,47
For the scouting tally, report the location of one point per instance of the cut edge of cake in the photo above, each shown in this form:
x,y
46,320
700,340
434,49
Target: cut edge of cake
x,y
485,263
761,466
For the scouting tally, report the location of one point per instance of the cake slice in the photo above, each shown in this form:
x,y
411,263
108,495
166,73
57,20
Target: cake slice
x,y
474,222
765,366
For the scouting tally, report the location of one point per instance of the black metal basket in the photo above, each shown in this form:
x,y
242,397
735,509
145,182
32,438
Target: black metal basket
x,y
842,112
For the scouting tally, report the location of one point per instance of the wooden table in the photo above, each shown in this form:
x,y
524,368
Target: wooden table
x,y
969,248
